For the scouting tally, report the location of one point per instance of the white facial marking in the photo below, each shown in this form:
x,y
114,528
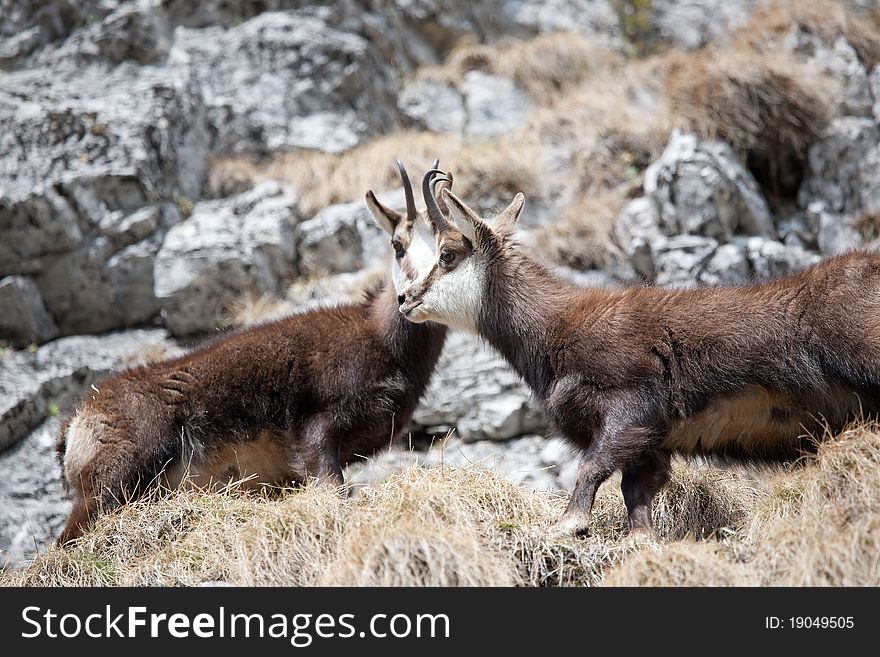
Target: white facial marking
x,y
419,255
456,298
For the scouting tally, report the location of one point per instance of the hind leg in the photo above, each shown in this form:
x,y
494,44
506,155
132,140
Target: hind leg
x,y
641,480
315,455
78,521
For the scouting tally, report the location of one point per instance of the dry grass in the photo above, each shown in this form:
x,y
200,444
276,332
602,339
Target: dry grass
x,y
817,523
509,165
770,23
546,67
580,239
769,108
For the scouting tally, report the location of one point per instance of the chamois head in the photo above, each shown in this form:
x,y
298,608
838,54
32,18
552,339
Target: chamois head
x,y
451,292
411,235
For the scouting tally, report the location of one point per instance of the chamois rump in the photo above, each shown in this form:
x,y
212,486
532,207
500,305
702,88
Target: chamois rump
x,y
633,375
292,400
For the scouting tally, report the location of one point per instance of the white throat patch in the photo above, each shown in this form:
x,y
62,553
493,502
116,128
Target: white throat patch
x,y
456,298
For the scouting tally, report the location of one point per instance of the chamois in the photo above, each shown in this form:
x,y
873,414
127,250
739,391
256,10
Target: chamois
x,y
292,400
630,376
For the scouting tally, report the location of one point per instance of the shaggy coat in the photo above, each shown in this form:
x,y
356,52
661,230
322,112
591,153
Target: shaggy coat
x,y
294,399
630,376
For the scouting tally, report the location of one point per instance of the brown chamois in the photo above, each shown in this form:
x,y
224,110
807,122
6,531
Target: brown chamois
x,y
633,375
291,400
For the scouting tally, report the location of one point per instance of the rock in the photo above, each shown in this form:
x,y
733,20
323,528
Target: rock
x,y
285,80
874,83
595,18
692,24
226,249
843,168
343,238
534,462
835,233
91,163
840,61
771,259
137,31
33,502
28,25
474,391
24,319
495,105
95,289
680,260
226,13
729,265
701,189
638,228
432,105
35,384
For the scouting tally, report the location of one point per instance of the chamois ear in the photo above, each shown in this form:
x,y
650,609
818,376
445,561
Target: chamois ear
x,y
387,218
505,223
466,220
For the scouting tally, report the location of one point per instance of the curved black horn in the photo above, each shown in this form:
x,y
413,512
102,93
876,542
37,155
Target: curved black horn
x,y
408,191
434,212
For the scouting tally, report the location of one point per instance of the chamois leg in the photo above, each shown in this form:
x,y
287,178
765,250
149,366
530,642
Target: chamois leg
x,y
641,480
317,456
576,519
77,522
619,442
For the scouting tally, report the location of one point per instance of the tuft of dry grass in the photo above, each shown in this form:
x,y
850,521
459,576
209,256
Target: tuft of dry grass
x,y
769,108
813,523
580,238
829,20
510,165
546,67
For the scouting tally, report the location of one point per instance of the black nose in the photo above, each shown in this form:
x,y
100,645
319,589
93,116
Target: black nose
x,y
400,299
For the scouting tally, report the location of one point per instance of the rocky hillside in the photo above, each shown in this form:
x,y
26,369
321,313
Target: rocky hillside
x,y
169,169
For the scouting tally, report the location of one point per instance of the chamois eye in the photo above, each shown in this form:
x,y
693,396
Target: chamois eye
x,y
398,248
447,257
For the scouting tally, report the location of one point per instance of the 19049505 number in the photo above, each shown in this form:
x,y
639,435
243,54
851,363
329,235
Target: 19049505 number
x,y
821,622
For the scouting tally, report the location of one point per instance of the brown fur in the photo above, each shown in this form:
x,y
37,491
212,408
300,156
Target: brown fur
x,y
297,398
632,375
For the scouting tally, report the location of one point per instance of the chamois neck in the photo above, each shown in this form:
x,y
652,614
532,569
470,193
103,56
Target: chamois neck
x,y
416,346
521,312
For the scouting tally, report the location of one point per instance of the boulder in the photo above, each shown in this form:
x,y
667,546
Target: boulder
x,y
24,319
36,384
344,238
92,163
33,502
475,392
843,168
835,233
679,260
288,79
137,31
594,18
432,105
692,24
771,259
227,249
702,189
495,105
28,25
729,265
637,231
840,62
534,462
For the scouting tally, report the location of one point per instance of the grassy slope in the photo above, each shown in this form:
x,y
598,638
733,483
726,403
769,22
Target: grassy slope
x,y
815,523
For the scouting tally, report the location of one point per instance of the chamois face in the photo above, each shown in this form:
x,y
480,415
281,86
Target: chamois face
x,y
412,238
452,291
